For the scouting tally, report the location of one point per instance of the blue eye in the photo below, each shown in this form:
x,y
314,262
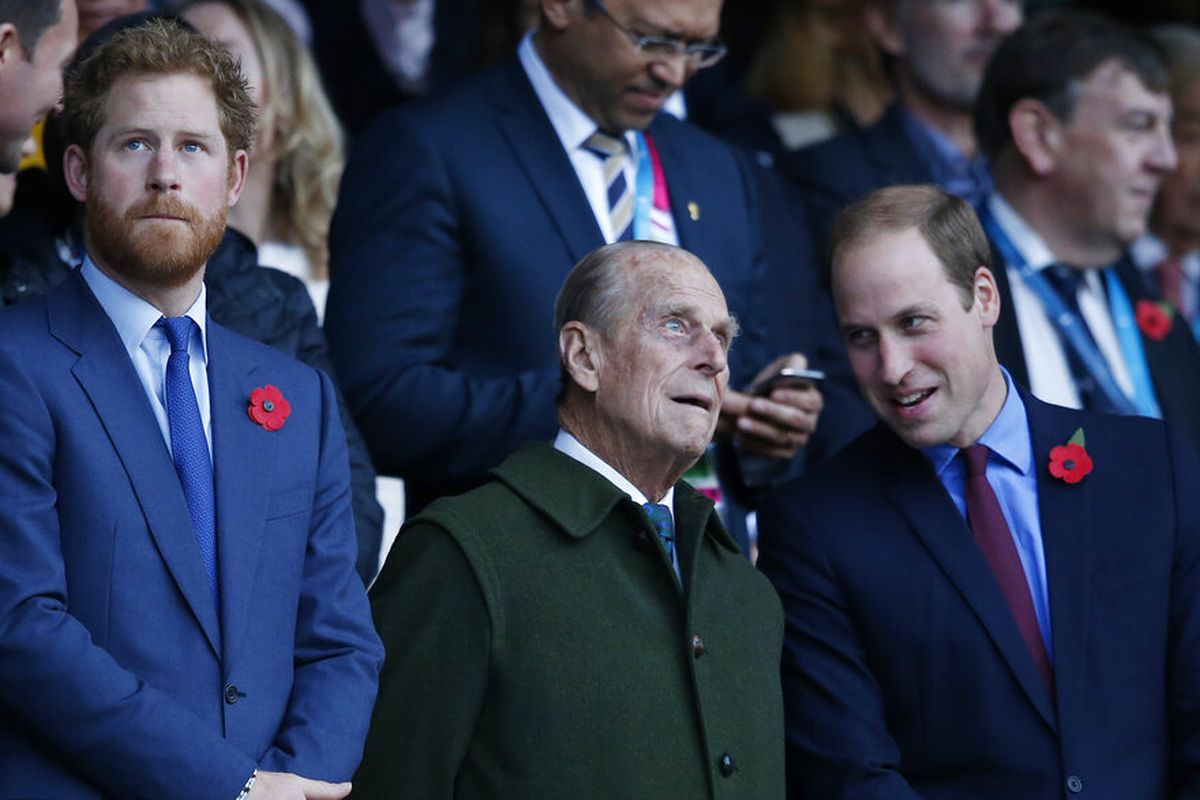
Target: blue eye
x,y
674,325
135,145
192,147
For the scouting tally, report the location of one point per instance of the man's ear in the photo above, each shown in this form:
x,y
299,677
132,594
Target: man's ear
x,y
884,28
239,166
1036,134
75,171
579,352
10,45
987,296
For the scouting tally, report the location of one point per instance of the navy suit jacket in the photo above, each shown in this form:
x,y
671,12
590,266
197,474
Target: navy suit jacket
x,y
119,676
904,673
1174,361
457,222
834,173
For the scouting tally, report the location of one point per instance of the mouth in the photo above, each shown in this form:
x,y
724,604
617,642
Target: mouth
x,y
911,400
698,401
650,99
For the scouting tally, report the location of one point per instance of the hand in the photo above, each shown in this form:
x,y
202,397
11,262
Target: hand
x,y
286,786
777,425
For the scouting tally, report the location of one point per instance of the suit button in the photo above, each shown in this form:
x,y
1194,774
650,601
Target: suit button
x,y
697,646
1074,784
232,694
727,765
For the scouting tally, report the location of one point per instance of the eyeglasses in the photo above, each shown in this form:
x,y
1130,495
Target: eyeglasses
x,y
697,54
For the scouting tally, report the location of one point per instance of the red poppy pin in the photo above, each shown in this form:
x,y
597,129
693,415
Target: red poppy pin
x,y
269,408
1070,462
1154,319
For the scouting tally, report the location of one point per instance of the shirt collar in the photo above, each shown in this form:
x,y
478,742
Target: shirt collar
x,y
1031,246
1007,436
1147,251
567,444
132,315
571,124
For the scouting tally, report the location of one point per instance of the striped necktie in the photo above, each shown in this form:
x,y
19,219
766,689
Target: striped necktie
x,y
613,156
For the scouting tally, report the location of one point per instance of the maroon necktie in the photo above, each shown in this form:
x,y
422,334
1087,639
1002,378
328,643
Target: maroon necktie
x,y
995,540
1170,281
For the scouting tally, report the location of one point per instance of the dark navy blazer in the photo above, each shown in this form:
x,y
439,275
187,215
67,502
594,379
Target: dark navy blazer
x,y
119,675
904,673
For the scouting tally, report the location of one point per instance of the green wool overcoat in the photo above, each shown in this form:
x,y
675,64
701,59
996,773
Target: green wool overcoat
x,y
540,647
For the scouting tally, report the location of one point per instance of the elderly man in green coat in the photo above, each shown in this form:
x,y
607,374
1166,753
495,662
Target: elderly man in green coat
x,y
581,626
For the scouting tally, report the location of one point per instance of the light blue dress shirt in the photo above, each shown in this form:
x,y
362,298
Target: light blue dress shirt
x,y
148,347
968,178
1012,472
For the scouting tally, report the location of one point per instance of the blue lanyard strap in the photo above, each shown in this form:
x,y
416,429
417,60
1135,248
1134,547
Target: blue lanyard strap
x,y
1071,330
1132,347
644,197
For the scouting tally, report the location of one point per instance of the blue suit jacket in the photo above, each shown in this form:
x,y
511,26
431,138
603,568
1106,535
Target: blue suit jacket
x,y
457,222
904,672
118,675
834,173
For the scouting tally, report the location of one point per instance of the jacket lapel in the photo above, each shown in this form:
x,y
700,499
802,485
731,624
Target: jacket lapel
x,y
1065,511
889,149
686,190
1007,335
243,455
538,151
107,376
916,491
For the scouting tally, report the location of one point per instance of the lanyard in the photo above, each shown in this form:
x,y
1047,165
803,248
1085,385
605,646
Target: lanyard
x,y
1131,346
1072,333
651,192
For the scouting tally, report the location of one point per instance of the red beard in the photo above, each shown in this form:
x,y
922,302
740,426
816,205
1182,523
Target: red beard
x,y
165,254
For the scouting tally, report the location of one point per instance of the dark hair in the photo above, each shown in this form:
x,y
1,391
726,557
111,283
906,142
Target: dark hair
x,y
31,18
1046,59
947,223
159,46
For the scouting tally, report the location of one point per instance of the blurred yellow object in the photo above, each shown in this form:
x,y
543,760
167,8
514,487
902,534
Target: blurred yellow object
x,y
38,159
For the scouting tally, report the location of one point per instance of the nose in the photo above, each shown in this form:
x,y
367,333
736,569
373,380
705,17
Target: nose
x,y
894,361
672,70
1163,157
164,172
1001,17
710,354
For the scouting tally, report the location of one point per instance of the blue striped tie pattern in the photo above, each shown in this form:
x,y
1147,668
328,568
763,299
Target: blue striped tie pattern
x,y
613,154
189,448
664,526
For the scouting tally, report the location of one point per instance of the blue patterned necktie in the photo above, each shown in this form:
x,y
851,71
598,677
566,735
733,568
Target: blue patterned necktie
x,y
189,448
613,154
1066,281
664,526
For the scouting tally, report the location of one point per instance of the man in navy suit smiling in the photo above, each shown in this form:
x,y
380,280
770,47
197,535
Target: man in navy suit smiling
x,y
986,596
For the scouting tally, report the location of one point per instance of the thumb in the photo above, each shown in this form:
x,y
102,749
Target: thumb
x,y
320,790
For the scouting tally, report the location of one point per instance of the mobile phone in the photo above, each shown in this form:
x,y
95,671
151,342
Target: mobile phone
x,y
790,378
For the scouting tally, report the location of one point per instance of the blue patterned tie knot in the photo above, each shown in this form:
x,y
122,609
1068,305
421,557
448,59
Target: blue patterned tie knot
x,y
664,525
189,447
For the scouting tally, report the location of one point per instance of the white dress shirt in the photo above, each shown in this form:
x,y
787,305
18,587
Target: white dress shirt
x,y
148,347
573,127
567,444
1045,355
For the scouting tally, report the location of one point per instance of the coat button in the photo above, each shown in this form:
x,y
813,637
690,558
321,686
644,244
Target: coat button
x,y
727,765
1074,784
232,694
697,646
